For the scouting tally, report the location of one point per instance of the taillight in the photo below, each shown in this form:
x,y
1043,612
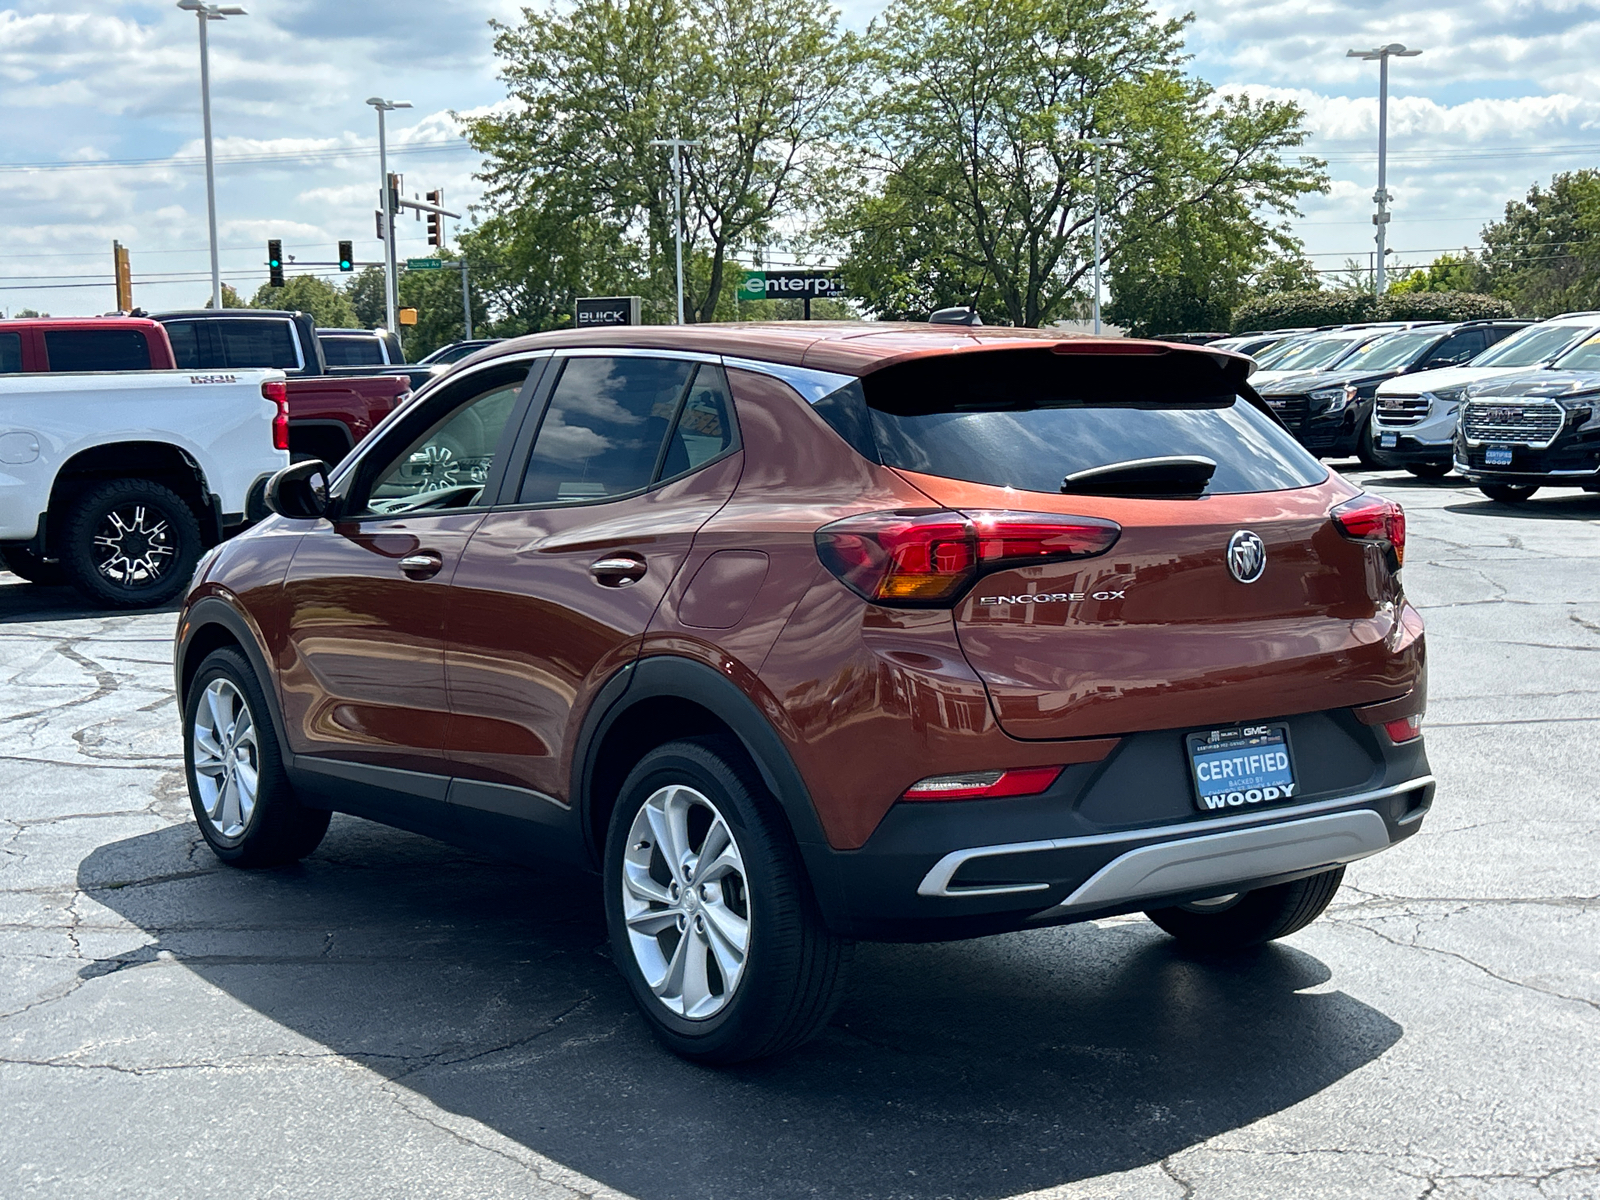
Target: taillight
x,y
984,785
1405,729
1373,519
928,559
278,393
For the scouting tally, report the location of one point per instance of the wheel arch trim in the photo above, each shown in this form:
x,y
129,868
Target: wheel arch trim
x,y
214,610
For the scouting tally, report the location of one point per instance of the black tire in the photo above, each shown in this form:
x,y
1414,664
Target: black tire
x,y
793,973
278,829
1507,493
25,564
157,544
1427,470
1253,918
1368,453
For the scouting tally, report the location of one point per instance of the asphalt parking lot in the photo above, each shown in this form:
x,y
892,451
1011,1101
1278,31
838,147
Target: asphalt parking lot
x,y
396,1018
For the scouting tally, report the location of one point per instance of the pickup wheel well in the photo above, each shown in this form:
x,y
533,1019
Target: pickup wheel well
x,y
156,461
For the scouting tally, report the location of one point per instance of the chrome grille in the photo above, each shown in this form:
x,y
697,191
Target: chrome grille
x,y
1396,411
1291,410
1529,422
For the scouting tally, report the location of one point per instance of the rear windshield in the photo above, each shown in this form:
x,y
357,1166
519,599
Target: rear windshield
x,y
1029,421
351,351
252,342
97,349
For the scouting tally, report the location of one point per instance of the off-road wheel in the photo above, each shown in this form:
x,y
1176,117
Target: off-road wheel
x,y
25,564
1507,493
1246,919
712,919
130,543
242,799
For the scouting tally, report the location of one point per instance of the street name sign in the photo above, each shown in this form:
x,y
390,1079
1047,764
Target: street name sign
x,y
424,264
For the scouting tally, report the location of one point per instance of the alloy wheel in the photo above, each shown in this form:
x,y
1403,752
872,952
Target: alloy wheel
x,y
134,545
226,758
685,901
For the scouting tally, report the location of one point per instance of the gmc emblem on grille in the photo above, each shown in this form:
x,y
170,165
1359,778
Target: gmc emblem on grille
x,y
1503,416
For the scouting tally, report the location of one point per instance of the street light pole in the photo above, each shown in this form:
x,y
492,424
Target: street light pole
x,y
206,13
1097,145
1381,55
677,145
391,270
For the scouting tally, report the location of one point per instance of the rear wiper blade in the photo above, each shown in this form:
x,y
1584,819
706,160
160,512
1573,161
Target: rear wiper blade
x,y
1170,475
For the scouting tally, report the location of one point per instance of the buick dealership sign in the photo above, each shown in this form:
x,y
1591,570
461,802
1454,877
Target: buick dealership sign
x,y
600,312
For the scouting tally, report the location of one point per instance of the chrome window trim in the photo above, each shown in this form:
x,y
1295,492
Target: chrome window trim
x,y
634,352
812,384
937,881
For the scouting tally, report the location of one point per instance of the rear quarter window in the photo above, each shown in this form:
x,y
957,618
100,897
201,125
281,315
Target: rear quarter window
x,y
97,349
1029,422
10,353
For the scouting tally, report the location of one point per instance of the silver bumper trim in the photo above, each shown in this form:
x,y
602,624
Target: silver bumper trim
x,y
937,881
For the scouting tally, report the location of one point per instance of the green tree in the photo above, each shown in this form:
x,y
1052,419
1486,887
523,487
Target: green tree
x,y
1544,256
365,292
583,202
436,295
327,305
230,298
1447,273
977,128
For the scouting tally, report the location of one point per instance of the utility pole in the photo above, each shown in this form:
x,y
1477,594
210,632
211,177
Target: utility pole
x,y
1097,145
466,300
677,144
1381,55
206,14
391,294
124,273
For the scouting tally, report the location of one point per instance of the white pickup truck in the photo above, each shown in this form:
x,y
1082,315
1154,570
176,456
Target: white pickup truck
x,y
116,482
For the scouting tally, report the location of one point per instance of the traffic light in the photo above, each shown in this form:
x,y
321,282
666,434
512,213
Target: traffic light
x,y
275,262
347,257
396,186
435,220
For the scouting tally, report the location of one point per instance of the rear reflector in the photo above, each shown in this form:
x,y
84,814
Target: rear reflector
x,y
984,785
1373,519
278,393
1404,729
929,559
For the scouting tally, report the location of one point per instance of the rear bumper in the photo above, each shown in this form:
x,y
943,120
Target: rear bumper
x,y
1122,836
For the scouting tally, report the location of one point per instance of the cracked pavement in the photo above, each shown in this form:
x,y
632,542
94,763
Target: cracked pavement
x,y
393,1017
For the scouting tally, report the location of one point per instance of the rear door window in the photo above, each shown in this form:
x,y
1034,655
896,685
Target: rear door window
x,y
263,342
351,351
10,353
1029,422
604,431
97,349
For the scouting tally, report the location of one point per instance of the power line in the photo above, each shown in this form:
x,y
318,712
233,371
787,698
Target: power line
x,y
325,154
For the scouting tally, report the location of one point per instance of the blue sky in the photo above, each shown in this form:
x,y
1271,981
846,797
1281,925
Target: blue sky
x,y
1503,96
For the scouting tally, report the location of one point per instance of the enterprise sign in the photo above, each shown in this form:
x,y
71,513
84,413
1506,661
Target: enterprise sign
x,y
791,285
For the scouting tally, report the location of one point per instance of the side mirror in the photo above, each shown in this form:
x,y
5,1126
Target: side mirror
x,y
299,491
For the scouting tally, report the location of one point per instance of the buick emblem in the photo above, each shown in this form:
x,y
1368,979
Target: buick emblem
x,y
1247,556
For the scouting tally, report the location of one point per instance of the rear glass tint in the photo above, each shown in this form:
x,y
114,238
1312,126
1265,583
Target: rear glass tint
x,y
97,350
352,351
10,353
258,343
1028,419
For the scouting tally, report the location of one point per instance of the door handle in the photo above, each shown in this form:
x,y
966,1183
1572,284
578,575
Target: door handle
x,y
618,570
421,566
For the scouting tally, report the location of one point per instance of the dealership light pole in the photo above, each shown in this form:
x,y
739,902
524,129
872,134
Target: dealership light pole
x,y
206,13
391,298
677,144
1381,55
1097,146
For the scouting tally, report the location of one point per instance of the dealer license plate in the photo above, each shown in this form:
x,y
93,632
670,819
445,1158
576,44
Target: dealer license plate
x,y
1388,441
1497,456
1242,767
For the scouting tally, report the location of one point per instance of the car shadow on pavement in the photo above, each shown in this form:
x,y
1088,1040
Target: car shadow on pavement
x,y
973,1070
1553,505
23,601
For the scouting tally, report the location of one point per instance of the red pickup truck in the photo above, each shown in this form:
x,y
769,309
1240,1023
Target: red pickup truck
x,y
327,414
35,346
